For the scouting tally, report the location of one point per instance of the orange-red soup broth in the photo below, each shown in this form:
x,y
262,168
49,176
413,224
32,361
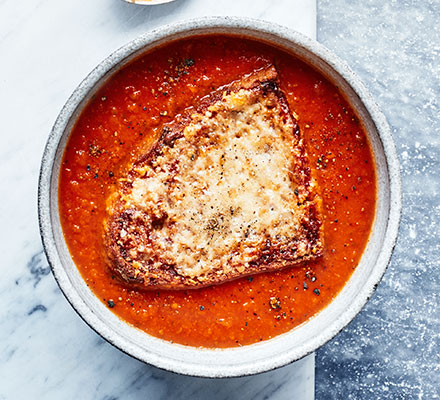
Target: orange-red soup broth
x,y
127,115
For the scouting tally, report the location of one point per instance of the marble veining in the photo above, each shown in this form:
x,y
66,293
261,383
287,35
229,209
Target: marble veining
x,y
390,351
47,352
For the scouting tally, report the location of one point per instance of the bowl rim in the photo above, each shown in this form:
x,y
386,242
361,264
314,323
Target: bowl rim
x,y
167,32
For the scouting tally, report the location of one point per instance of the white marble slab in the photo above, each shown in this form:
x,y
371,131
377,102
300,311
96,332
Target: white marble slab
x,y
46,351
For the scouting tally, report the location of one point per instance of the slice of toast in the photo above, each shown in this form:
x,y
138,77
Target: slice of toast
x,y
225,192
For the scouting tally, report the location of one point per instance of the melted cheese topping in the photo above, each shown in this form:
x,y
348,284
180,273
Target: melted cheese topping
x,y
224,189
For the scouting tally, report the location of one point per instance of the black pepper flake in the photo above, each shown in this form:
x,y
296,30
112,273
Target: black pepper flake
x,y
88,167
251,278
111,303
132,304
188,62
305,286
95,176
202,308
316,291
296,192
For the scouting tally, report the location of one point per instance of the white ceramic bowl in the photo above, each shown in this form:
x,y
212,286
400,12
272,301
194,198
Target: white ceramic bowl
x,y
148,2
282,349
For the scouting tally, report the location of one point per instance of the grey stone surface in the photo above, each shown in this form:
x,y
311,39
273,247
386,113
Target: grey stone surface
x,y
391,350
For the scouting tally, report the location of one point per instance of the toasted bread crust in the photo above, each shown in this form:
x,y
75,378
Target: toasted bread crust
x,y
131,240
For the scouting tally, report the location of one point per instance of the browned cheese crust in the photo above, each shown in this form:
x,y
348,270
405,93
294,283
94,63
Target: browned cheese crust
x,y
225,192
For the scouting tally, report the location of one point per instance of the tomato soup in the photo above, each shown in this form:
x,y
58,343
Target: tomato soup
x,y
128,114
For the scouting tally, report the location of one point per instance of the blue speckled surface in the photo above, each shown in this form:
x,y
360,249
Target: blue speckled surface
x,y
391,350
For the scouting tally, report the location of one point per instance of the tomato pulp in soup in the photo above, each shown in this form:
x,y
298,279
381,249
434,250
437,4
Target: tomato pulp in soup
x,y
127,114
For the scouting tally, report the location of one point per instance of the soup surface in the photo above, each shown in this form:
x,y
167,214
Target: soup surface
x,y
127,115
